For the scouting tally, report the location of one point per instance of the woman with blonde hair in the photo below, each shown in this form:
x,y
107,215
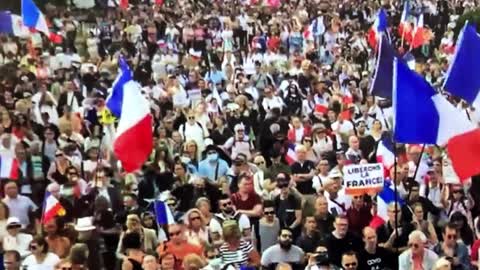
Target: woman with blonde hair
x,y
148,237
235,250
193,262
196,227
203,204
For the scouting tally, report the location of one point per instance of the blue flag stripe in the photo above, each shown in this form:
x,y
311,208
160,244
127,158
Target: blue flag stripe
x,y
115,101
382,78
462,79
6,22
30,13
416,117
161,212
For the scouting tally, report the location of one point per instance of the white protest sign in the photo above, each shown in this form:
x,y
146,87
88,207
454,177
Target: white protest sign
x,y
363,178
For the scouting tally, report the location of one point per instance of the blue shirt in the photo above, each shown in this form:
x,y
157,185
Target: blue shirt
x,y
215,76
209,170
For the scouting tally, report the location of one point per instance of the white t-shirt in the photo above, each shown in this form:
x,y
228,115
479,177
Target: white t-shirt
x,y
49,263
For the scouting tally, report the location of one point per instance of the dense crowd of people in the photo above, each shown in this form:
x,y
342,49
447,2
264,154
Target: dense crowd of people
x,y
258,105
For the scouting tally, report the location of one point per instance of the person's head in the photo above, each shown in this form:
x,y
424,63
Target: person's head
x,y
310,224
4,211
72,174
11,189
149,263
341,225
361,127
370,238
38,246
301,152
193,262
321,205
283,183
416,242
212,154
377,125
414,153
323,166
457,192
11,260
414,192
260,162
132,241
357,201
225,205
285,238
354,143
349,260
296,123
450,234
133,223
307,142
179,169
167,261
194,219
245,183
52,226
418,211
269,210
231,232
79,254
175,234
394,212
442,264
148,220
203,204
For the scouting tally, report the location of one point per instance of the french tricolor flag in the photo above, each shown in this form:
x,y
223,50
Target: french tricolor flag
x,y
133,140
12,24
405,27
291,156
384,199
424,116
377,29
421,35
163,213
9,168
33,17
385,155
51,208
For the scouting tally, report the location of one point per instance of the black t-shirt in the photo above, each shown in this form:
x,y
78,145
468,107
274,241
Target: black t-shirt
x,y
380,260
304,187
336,247
286,209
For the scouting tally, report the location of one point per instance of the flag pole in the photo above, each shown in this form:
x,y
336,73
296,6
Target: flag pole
x,y
418,162
395,188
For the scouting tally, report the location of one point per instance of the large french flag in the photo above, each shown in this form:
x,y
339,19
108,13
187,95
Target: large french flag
x,y
33,17
384,199
51,208
424,116
462,79
133,139
163,213
12,24
9,168
385,155
377,29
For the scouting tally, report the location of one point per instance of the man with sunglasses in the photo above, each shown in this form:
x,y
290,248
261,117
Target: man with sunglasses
x,y
289,206
417,256
227,212
349,260
178,244
283,252
457,252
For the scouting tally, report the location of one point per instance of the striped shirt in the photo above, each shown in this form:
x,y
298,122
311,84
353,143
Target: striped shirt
x,y
236,257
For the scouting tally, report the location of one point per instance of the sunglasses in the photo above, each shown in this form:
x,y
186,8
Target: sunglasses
x,y
452,236
211,152
351,264
226,204
195,218
307,140
174,233
33,247
457,191
269,213
286,236
413,245
282,185
260,163
213,257
191,117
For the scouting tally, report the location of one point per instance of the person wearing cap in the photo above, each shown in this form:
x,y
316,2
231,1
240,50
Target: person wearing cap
x,y
288,205
240,143
16,240
87,235
321,141
338,203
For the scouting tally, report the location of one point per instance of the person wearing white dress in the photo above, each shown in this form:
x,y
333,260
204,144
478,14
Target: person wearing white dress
x,y
41,258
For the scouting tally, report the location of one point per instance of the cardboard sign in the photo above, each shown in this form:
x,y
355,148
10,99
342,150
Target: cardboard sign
x,y
449,175
363,178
